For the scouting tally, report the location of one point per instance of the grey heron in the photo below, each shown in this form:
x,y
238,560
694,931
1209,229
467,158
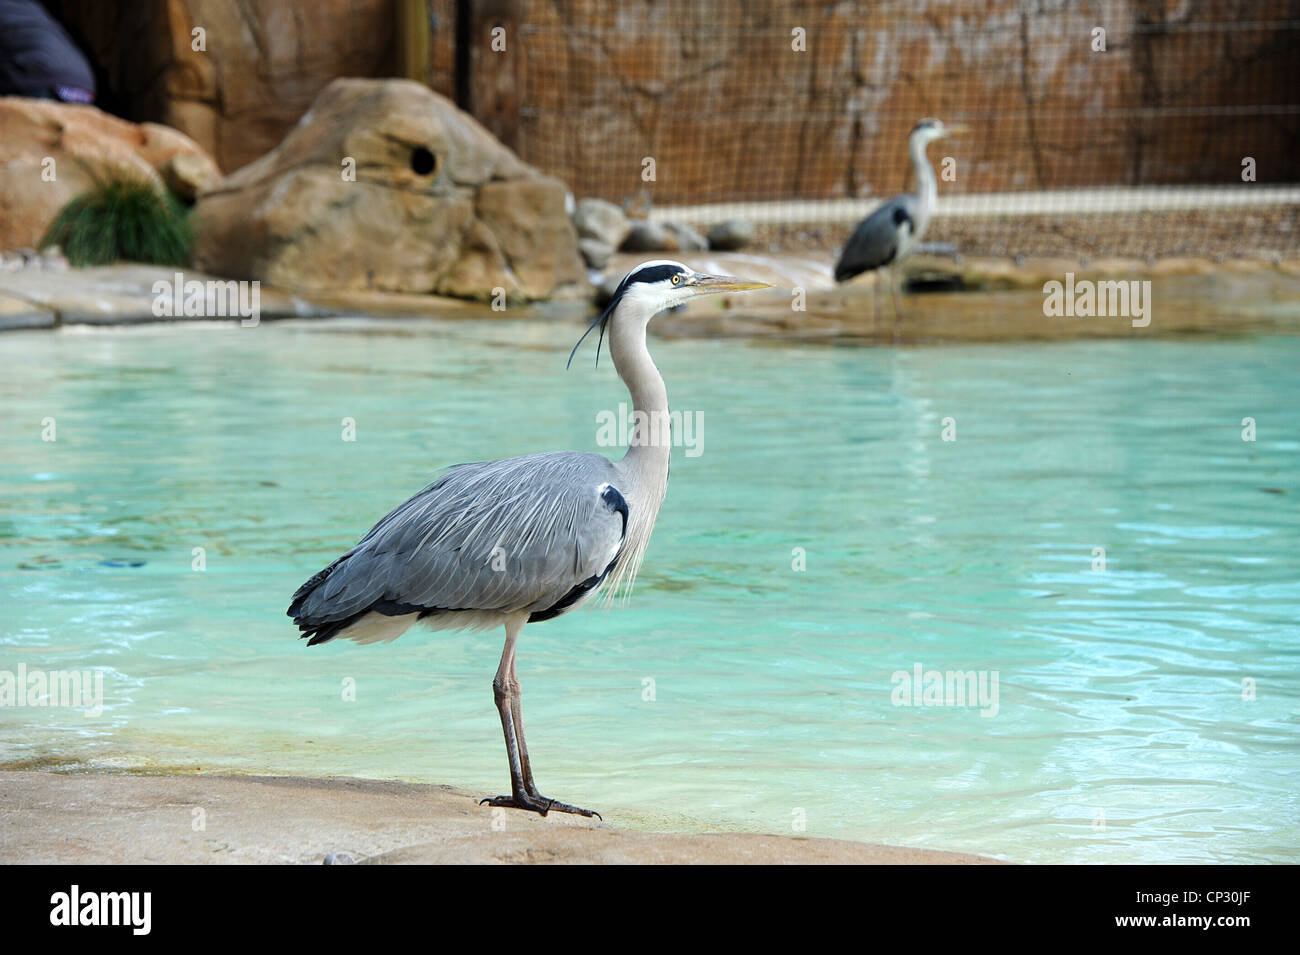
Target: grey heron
x,y
894,229
519,540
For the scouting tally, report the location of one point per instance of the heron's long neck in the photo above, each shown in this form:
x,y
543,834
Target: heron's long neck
x,y
645,465
927,190
649,395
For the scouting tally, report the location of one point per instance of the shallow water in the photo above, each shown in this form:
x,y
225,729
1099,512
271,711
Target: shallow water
x,y
1120,691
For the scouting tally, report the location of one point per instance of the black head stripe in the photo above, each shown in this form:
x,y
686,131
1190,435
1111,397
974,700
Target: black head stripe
x,y
651,274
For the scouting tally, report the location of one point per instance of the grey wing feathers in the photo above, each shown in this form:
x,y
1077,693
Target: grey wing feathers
x,y
875,240
505,536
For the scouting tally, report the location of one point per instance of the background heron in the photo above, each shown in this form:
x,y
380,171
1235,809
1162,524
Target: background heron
x,y
510,542
892,231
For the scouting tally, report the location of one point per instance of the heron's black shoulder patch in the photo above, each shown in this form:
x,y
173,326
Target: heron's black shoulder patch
x,y
900,216
616,502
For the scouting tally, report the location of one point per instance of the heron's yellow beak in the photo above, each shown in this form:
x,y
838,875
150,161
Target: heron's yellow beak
x,y
724,283
957,129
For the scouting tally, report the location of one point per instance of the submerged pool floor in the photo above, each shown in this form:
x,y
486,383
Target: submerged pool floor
x,y
1075,533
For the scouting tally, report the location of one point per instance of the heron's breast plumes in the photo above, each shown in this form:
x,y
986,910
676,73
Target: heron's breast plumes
x,y
645,484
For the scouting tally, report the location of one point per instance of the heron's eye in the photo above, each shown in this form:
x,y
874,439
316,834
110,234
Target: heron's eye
x,y
677,279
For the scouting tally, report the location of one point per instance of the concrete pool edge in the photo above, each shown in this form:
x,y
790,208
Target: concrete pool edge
x,y
123,295
105,818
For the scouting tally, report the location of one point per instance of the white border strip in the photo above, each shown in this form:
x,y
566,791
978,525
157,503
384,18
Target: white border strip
x,y
1058,202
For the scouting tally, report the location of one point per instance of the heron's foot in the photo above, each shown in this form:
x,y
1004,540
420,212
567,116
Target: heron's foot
x,y
537,803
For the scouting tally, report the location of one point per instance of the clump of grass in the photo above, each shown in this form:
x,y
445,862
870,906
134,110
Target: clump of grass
x,y
122,217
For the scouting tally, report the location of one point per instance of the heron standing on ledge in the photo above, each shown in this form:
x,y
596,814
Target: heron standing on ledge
x,y
510,542
893,230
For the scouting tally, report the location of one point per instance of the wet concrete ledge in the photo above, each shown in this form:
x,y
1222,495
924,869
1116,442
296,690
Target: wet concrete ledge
x,y
988,300
111,819
123,294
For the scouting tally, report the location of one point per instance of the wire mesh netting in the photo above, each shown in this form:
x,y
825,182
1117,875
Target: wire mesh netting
x,y
800,111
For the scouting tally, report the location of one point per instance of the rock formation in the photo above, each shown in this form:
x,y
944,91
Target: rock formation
x,y
50,153
386,185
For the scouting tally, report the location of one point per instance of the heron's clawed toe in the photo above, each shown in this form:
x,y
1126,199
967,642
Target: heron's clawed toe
x,y
538,804
575,810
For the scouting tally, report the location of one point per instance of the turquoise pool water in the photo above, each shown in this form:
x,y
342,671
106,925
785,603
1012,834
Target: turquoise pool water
x,y
1120,691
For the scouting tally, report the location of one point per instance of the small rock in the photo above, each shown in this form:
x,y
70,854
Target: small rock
x,y
596,252
53,259
686,238
639,206
339,858
602,221
647,236
731,235
188,174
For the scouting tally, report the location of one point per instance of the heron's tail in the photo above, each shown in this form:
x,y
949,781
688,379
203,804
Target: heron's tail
x,y
314,624
336,603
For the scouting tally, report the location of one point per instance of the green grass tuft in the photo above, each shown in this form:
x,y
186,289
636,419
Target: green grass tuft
x,y
122,217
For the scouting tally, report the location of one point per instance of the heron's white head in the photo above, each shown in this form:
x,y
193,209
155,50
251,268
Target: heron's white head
x,y
928,130
653,287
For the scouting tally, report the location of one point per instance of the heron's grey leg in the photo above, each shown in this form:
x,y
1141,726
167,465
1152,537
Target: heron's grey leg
x,y
506,691
876,302
516,704
510,722
893,290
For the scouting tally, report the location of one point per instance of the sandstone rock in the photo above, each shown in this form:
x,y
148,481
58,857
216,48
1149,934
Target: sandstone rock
x,y
731,235
40,139
596,253
187,175
477,267
602,221
528,218
386,185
